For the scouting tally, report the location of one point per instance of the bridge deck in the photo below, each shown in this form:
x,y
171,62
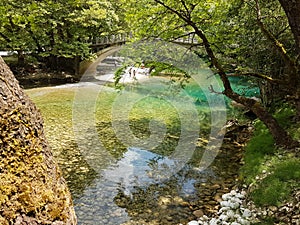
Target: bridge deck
x,y
101,42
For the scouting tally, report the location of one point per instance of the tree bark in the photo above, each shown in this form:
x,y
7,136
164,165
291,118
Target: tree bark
x,y
32,189
292,10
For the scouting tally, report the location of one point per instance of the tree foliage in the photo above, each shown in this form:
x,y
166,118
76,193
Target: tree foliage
x,y
247,38
55,28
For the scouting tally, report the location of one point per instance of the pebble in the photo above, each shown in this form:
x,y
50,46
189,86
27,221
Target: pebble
x,y
193,222
231,211
198,213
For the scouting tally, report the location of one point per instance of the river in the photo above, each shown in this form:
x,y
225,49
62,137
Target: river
x,y
148,154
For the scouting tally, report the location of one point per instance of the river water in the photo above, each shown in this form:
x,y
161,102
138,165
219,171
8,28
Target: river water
x,y
159,160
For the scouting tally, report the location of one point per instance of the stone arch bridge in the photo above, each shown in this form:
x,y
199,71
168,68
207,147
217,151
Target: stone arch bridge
x,y
104,46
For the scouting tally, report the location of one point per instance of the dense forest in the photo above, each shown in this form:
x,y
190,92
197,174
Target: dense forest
x,y
255,39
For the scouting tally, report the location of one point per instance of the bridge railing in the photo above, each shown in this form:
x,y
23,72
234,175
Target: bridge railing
x,y
102,41
107,39
190,39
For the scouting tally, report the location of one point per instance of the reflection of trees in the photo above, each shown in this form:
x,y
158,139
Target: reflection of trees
x,y
76,170
168,201
140,128
173,200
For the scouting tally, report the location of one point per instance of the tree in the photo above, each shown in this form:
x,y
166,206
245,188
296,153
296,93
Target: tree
x,y
170,20
32,189
292,10
56,30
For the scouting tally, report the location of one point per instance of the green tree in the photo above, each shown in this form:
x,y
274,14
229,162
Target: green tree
x,y
55,29
223,37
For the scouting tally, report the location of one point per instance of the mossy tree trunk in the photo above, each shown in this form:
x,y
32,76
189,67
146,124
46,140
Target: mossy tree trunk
x,y
292,11
32,189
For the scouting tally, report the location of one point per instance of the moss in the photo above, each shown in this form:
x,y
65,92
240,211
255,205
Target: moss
x,y
25,183
271,191
258,149
273,172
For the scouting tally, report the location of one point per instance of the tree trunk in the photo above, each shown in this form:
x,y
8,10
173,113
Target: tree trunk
x,y
292,10
76,65
281,137
21,58
32,189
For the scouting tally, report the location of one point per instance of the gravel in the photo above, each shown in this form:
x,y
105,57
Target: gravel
x,y
232,211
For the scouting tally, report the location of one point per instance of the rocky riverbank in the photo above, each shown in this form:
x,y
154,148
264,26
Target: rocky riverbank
x,y
206,203
237,207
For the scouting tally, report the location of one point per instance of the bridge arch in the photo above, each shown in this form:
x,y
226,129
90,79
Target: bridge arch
x,y
88,68
107,45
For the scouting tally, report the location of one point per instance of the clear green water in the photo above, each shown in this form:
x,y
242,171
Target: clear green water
x,y
135,155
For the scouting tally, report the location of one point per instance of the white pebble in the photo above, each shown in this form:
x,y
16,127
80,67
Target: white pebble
x,y
205,217
223,217
233,192
235,223
193,222
223,209
230,214
234,205
225,204
225,197
213,221
225,223
247,213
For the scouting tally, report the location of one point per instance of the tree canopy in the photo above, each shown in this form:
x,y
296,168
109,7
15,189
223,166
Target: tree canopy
x,y
246,38
56,28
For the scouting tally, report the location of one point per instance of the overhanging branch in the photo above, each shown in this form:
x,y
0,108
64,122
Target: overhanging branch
x,y
257,75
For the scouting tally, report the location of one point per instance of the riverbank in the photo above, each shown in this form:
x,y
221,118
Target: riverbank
x,y
269,181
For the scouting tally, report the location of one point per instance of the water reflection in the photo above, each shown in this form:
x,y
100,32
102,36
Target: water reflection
x,y
136,184
140,168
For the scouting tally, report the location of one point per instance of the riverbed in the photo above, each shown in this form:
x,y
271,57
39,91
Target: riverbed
x,y
147,154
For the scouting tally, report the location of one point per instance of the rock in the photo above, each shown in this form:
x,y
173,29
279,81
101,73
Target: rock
x,y
273,208
218,198
169,218
164,200
198,213
184,204
193,222
247,213
215,186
